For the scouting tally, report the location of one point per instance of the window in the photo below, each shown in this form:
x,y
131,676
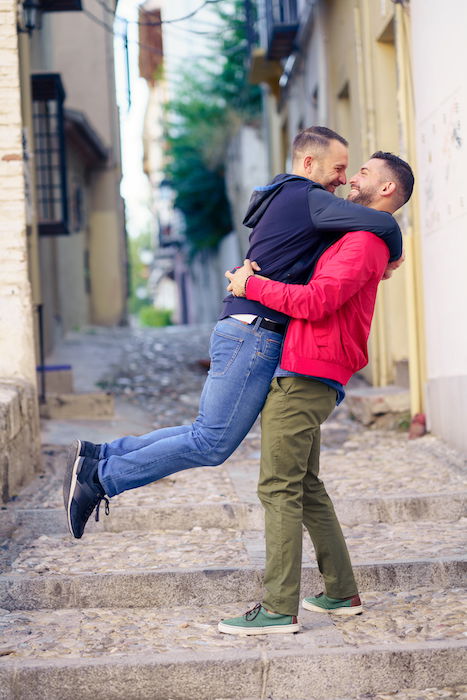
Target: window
x,y
49,148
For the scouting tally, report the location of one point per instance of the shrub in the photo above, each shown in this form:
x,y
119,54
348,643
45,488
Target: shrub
x,y
150,316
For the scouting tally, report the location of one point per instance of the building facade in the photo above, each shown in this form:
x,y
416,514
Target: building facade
x,y
191,285
19,422
64,254
360,67
440,126
71,118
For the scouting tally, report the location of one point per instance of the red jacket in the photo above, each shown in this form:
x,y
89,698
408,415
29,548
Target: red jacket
x,y
331,315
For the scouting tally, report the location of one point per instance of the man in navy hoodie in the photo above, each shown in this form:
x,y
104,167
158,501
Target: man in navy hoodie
x,y
294,219
326,342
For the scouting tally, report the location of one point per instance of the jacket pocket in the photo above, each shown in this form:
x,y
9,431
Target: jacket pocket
x,y
322,332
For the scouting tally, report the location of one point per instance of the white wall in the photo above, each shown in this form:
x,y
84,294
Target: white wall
x,y
307,98
440,84
82,52
246,167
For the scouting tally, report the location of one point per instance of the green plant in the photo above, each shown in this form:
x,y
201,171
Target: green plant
x,y
211,99
138,270
150,316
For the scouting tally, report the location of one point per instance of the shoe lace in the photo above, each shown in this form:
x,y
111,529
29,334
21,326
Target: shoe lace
x,y
253,613
106,507
96,504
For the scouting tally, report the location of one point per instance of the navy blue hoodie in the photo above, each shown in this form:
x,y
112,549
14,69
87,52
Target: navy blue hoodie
x,y
294,220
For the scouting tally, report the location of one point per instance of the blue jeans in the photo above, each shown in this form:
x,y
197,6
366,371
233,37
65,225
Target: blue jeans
x,y
243,361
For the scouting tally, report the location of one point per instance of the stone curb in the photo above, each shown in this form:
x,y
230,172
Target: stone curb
x,y
245,516
206,586
322,675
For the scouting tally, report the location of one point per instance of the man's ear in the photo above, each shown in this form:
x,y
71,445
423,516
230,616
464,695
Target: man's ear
x,y
388,188
308,163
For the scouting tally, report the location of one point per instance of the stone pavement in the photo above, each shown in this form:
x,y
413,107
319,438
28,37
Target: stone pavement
x,y
131,610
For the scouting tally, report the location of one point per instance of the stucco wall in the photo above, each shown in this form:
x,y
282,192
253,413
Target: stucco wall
x,y
81,50
441,123
246,168
346,78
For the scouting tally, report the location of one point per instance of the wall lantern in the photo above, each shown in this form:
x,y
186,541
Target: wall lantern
x,y
30,16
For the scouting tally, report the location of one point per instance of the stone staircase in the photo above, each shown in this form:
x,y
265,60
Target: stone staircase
x,y
131,610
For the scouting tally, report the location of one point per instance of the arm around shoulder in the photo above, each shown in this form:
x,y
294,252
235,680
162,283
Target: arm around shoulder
x,y
331,214
349,265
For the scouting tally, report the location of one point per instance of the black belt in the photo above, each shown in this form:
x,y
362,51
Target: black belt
x,y
272,326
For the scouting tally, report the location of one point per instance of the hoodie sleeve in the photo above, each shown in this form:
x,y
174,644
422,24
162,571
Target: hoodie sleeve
x,y
331,214
358,259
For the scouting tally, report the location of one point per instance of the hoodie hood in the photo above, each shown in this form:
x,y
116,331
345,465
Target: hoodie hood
x,y
262,196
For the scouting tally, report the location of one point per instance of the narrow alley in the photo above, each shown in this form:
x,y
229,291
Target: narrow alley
x,y
131,610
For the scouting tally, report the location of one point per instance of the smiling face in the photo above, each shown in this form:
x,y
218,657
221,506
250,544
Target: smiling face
x,y
367,186
328,167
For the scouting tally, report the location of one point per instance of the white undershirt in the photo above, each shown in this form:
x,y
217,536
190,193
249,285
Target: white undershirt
x,y
245,318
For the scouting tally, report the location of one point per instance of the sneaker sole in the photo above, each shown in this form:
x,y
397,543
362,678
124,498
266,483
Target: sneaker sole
x,y
355,610
71,476
247,631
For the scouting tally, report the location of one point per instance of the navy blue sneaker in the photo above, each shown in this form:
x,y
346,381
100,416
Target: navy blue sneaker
x,y
82,490
88,449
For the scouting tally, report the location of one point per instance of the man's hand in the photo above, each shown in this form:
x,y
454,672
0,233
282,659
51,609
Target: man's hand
x,y
393,266
238,279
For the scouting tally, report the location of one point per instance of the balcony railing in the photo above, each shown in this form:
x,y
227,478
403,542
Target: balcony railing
x,y
282,25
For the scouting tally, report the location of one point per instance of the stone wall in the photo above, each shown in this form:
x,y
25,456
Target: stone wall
x,y
18,440
19,428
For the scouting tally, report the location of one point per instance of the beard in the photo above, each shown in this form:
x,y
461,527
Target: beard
x,y
365,198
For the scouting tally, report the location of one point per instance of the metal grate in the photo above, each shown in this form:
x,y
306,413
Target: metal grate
x,y
49,149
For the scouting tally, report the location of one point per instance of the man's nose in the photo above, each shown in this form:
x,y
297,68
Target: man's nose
x,y
342,179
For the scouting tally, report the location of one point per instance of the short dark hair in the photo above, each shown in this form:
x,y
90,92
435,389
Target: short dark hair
x,y
316,138
401,172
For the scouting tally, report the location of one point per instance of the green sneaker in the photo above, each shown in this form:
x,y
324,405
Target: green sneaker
x,y
259,621
338,606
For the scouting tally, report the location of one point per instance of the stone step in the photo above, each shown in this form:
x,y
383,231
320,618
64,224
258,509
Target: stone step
x,y
204,586
410,639
373,466
293,675
453,692
246,516
107,552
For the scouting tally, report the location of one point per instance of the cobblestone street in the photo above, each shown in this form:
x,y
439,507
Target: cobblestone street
x,y
162,372
133,607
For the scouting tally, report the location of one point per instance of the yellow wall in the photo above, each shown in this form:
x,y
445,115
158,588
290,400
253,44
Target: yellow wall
x,y
106,253
57,265
362,105
358,55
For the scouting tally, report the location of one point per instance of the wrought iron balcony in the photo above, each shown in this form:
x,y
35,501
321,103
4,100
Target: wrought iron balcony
x,y
282,26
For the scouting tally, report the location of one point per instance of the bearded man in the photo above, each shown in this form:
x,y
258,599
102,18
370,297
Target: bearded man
x,y
325,343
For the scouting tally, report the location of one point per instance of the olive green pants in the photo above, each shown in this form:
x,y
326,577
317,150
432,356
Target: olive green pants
x,y
292,494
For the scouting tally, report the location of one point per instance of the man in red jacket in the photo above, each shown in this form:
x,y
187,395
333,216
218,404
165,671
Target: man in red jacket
x,y
325,343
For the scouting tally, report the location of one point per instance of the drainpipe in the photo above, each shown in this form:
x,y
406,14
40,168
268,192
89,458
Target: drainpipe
x,y
379,357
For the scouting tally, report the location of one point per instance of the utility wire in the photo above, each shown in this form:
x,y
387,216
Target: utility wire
x,y
162,21
117,34
198,32
146,47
